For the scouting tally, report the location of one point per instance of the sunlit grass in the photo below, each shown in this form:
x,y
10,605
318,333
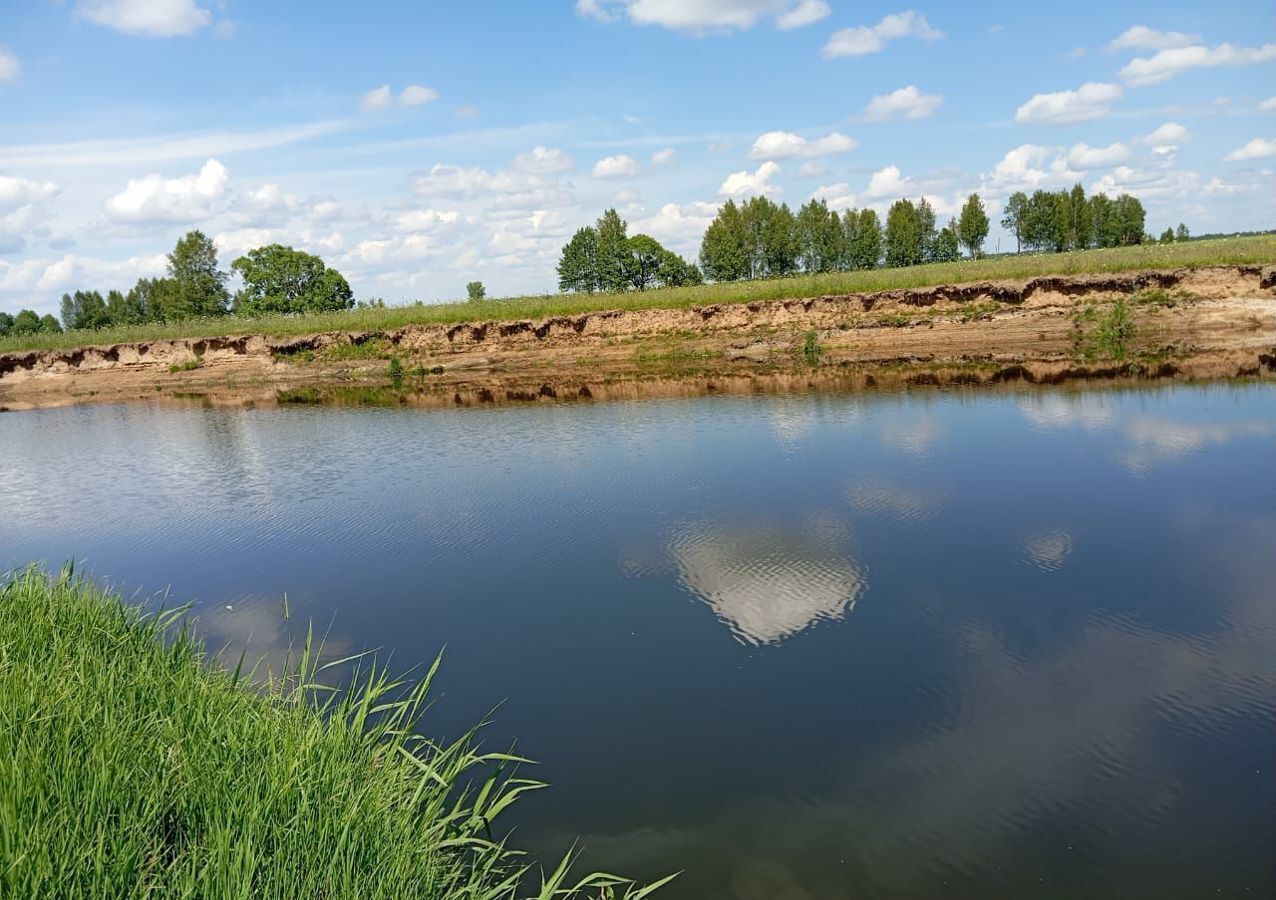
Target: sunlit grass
x,y
133,766
1222,251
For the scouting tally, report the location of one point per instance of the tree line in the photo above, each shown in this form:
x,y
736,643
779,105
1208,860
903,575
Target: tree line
x,y
276,279
603,257
1068,220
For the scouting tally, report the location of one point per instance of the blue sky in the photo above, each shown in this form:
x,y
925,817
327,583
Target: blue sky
x,y
417,146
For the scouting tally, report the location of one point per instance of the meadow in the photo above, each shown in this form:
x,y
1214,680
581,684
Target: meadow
x,y
1259,249
134,765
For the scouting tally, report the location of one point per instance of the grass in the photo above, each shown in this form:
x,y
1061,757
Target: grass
x,y
1223,251
189,366
131,766
811,349
1103,332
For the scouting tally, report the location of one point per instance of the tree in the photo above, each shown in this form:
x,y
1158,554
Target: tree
x,y
903,234
1015,218
124,309
49,324
1167,236
6,323
198,287
578,266
1130,219
1043,227
84,309
926,222
866,246
1079,224
945,247
279,279
724,249
25,322
1103,225
645,257
613,252
677,272
475,291
972,227
820,237
772,238
1182,234
148,297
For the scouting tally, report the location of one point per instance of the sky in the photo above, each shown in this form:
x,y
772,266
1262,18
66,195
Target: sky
x,y
417,146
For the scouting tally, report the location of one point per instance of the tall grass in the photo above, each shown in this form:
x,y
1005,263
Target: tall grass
x,y
1222,251
133,766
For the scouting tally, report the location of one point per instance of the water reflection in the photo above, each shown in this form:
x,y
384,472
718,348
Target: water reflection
x,y
1049,551
906,503
767,581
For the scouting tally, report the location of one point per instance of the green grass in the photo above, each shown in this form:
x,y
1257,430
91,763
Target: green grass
x,y
1103,332
189,366
131,766
1223,251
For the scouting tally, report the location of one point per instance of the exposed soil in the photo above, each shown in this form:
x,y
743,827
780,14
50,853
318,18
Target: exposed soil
x,y
1214,322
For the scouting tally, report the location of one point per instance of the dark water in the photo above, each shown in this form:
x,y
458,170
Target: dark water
x,y
929,645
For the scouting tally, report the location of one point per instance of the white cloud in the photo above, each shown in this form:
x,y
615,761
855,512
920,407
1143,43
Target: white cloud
x,y
1268,105
466,112
1255,149
1026,168
805,13
155,198
21,191
678,226
905,103
425,220
888,182
865,39
239,241
665,157
1090,101
787,145
542,160
383,98
1083,156
838,196
619,166
1169,133
757,182
416,95
1168,63
151,18
1140,37
706,15
9,66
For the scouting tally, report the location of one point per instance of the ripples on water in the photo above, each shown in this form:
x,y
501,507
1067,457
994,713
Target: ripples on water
x,y
936,644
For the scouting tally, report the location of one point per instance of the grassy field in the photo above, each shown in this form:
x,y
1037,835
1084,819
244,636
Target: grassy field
x,y
132,767
1223,251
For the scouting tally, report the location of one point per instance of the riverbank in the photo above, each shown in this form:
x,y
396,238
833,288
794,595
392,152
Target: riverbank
x,y
1205,322
134,766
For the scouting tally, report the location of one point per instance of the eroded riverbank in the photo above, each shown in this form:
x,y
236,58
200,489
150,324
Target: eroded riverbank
x,y
1214,322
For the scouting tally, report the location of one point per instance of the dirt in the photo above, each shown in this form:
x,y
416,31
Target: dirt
x,y
1212,322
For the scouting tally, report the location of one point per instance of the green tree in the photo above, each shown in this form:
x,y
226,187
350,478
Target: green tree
x,y
866,246
578,265
677,272
1014,218
1041,221
279,279
926,222
124,309
147,297
645,257
903,234
197,287
946,247
25,322
773,238
1167,236
972,227
1104,229
821,240
49,324
84,309
1130,219
475,291
6,323
1080,227
1181,233
724,249
614,258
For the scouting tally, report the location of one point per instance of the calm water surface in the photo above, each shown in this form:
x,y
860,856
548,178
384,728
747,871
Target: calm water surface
x,y
923,645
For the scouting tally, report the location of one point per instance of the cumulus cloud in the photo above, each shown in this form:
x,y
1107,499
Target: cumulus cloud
x,y
154,198
1140,37
665,157
1258,148
618,166
1169,133
150,18
542,160
1083,156
1174,61
889,182
16,192
904,103
1090,101
678,226
10,68
706,15
787,145
1028,167
838,196
383,98
864,39
1268,105
739,184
